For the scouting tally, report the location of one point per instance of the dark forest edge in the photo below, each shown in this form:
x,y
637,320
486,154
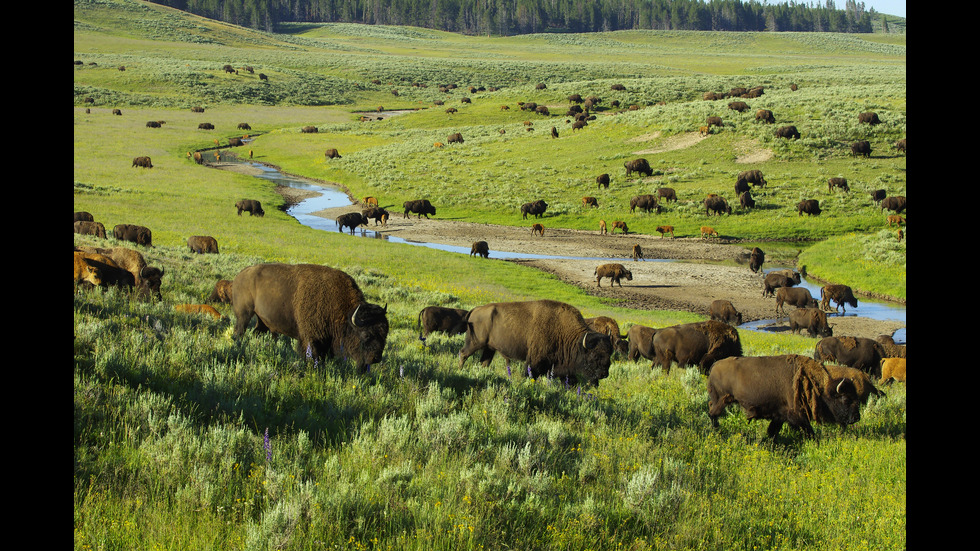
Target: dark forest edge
x,y
512,17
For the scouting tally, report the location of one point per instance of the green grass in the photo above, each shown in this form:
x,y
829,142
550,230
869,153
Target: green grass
x,y
171,413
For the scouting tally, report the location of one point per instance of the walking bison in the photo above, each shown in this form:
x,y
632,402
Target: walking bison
x,y
535,208
615,272
857,352
700,343
480,248
641,166
202,244
814,320
724,311
842,295
419,207
141,235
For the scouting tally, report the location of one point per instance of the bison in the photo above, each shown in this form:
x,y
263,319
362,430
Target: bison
x,y
667,194
142,162
351,220
765,115
664,230
838,182
101,271
841,295
640,339
745,200
878,195
83,216
724,311
141,235
868,118
615,272
589,201
861,147
892,369
637,253
455,137
717,205
776,279
322,308
537,229
608,326
794,296
549,337
646,203
814,320
419,207
863,384
857,352
602,181
535,208
332,153
221,292
199,309
700,343
789,389
894,203
378,214
451,321
739,106
202,244
756,259
147,280
85,227
480,248
753,177
641,166
620,225
251,206
789,132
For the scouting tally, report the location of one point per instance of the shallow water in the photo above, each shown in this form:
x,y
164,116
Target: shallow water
x,y
332,198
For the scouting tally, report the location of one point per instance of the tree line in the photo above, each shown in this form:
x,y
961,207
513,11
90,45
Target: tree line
x,y
510,17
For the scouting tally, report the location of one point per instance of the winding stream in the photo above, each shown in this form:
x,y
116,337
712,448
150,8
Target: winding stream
x,y
332,198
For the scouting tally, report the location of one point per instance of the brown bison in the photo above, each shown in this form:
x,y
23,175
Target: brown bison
x,y
251,206
309,130
221,292
615,272
578,125
480,248
756,259
153,124
351,220
894,203
753,177
602,180
788,132
147,280
776,279
878,195
535,208
140,235
746,200
789,389
900,145
451,321
371,201
841,295
202,244
664,230
724,311
83,216
537,229
646,203
637,252
332,153
862,148
717,205
320,307
814,320
799,297
590,202
198,158
199,309
810,207
378,214
868,118
765,115
641,166
244,126
549,337
838,183
142,162
640,339
667,194
619,224
608,326
892,369
700,343
857,352
205,126
94,269
863,384
419,207
739,106
85,227
455,138
714,121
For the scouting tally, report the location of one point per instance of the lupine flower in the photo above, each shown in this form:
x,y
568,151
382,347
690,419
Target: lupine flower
x,y
268,446
508,371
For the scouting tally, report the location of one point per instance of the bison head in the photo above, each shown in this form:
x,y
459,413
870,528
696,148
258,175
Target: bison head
x,y
368,326
596,350
841,398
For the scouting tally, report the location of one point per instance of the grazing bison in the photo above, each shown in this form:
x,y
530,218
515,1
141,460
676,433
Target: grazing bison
x,y
378,214
251,206
578,125
101,271
811,207
141,235
615,272
765,115
153,124
419,207
708,231
147,280
320,307
878,195
869,118
202,244
841,295
456,137
551,338
646,203
590,202
85,227
788,132
309,130
142,162
857,352
756,259
714,121
724,311
480,248
205,126
892,369
894,203
814,320
700,343
535,208
799,297
537,229
739,106
221,292
83,216
717,205
892,350
783,389
638,165
621,226
777,279
667,194
351,220
451,321
608,326
602,180
198,158
753,177
745,200
332,154
244,126
640,339
861,147
602,227
837,182
900,145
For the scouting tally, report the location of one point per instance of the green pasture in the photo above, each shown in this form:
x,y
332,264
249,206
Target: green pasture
x,y
185,438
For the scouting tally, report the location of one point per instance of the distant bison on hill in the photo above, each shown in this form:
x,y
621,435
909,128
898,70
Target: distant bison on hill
x,y
638,165
862,148
142,162
788,132
140,235
535,208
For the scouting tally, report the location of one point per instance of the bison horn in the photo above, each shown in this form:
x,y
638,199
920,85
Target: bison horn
x,y
353,317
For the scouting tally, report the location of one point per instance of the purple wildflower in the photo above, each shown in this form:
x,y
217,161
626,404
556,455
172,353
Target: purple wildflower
x,y
268,447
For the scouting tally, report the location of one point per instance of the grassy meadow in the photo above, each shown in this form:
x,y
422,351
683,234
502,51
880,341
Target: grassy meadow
x,y
185,438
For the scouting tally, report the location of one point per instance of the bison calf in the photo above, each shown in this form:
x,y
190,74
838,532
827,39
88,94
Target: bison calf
x,y
615,272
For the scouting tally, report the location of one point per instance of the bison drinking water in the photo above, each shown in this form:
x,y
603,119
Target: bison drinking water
x,y
321,307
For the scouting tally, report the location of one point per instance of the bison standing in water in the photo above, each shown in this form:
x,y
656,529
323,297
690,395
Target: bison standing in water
x,y
549,337
321,307
784,389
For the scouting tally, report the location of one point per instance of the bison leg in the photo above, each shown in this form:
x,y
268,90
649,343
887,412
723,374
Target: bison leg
x,y
774,427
